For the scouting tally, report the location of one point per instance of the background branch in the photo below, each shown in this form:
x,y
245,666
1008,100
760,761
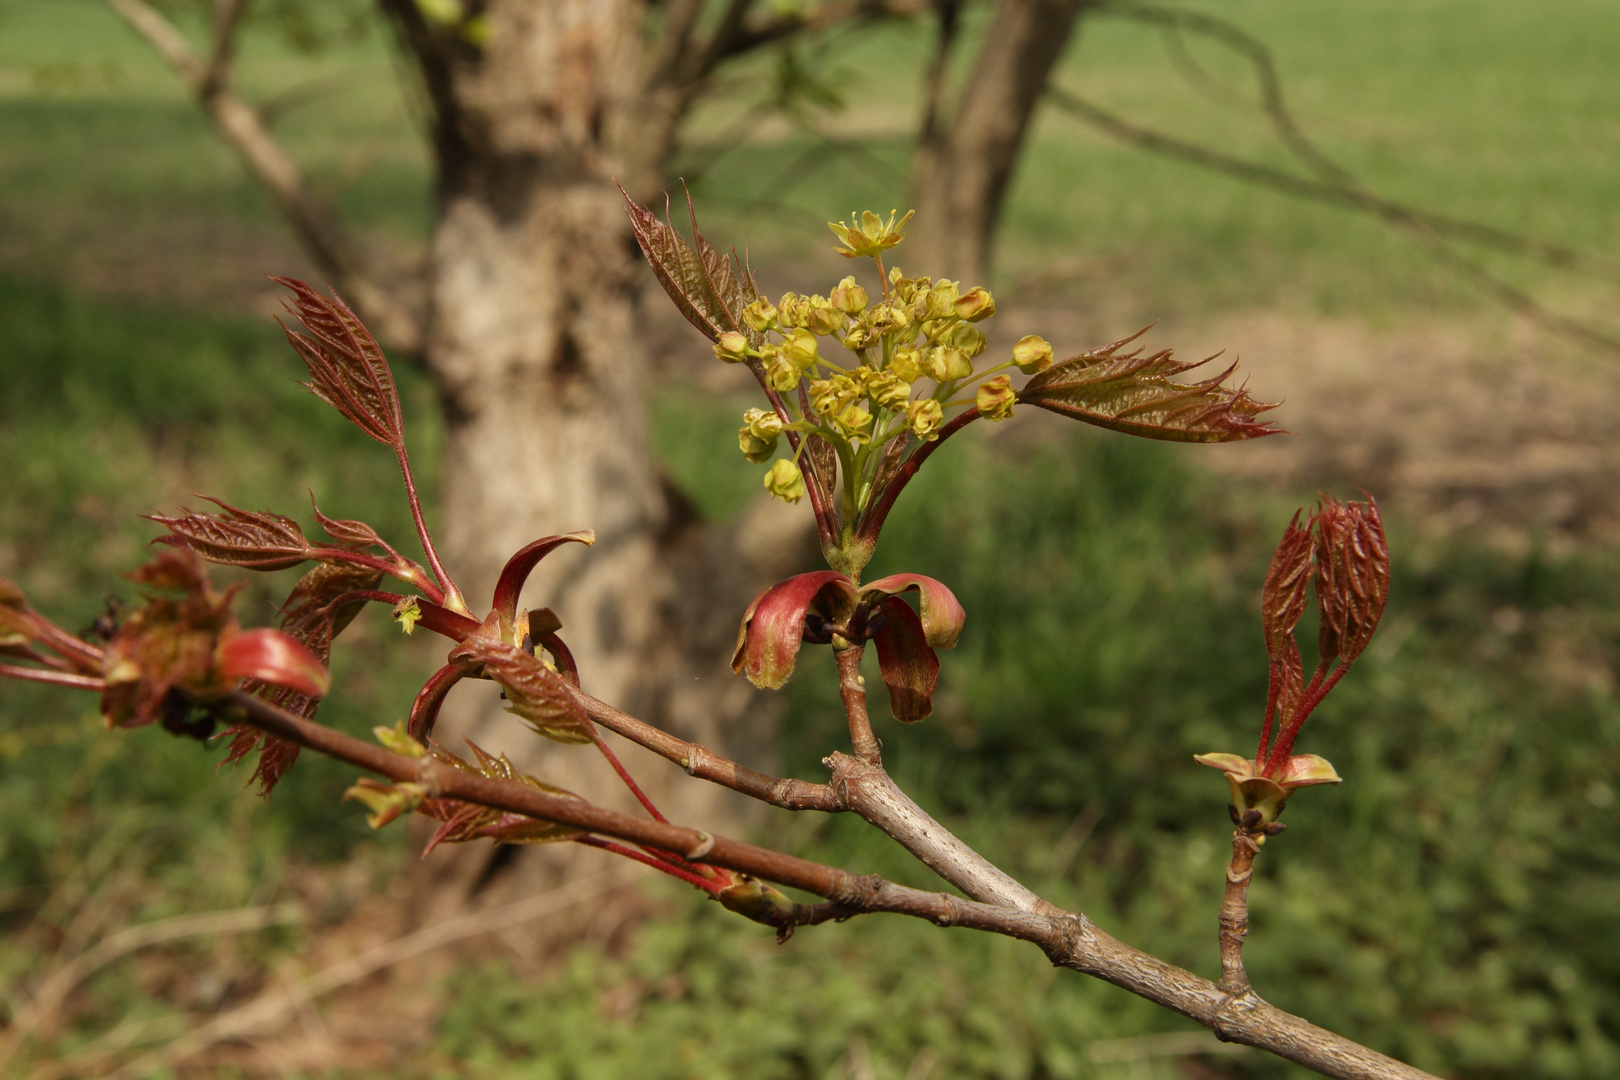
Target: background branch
x,y
242,127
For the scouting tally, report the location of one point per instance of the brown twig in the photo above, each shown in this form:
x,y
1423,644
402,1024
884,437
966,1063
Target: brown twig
x,y
1070,940
242,127
1235,913
852,689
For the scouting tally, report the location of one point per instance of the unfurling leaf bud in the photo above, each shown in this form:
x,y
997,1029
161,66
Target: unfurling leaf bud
x,y
887,390
800,348
732,347
924,418
945,365
906,364
758,901
995,398
784,481
760,315
385,801
849,297
398,740
407,613
1032,354
975,305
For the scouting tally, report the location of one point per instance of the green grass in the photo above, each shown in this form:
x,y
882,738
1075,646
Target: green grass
x,y
1452,902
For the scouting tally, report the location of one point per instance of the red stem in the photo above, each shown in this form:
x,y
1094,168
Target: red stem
x,y
872,523
58,678
1271,707
357,558
1309,700
629,781
630,853
449,595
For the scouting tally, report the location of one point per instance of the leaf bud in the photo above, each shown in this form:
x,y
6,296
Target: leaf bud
x,y
887,390
975,305
732,347
784,481
385,801
945,365
849,297
1032,354
398,740
906,364
995,398
925,418
760,315
407,613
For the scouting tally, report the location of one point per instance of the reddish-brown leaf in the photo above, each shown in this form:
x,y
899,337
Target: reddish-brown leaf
x,y
909,665
773,626
1136,393
518,568
707,286
272,657
1352,576
346,365
942,614
352,535
469,821
257,541
1282,605
533,691
429,699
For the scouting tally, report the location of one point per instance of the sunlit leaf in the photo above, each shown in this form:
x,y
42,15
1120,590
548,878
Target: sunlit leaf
x,y
346,365
1136,393
257,541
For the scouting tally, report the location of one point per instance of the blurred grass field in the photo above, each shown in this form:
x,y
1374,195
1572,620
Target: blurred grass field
x,y
1452,903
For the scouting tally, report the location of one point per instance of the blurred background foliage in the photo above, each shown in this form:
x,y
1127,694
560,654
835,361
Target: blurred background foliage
x,y
1453,903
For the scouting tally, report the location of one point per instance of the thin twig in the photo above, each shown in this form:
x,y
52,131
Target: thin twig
x,y
1235,913
852,688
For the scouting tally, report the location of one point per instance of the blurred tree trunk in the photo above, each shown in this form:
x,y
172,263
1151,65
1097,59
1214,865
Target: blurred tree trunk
x,y
532,340
965,160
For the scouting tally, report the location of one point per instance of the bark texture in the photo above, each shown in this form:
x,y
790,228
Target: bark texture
x,y
532,342
965,156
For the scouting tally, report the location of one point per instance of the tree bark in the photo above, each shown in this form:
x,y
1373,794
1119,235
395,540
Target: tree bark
x,y
533,344
964,162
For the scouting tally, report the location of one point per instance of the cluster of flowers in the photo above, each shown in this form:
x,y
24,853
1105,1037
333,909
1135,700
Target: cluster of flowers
x,y
874,392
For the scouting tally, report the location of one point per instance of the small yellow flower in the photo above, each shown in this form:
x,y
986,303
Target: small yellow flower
x,y
869,234
784,481
1032,354
995,398
760,315
925,418
849,297
975,305
732,347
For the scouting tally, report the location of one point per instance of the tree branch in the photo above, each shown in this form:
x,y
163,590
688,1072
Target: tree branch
x,y
1422,225
242,127
1070,940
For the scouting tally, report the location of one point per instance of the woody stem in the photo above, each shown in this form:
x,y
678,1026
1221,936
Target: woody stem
x,y
1235,913
852,688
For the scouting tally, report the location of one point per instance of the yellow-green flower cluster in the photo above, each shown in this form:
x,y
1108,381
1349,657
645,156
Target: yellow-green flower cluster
x,y
863,369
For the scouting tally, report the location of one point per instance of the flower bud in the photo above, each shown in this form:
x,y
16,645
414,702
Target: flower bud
x,y
924,418
854,422
827,396
792,310
995,398
974,305
760,315
781,373
942,299
906,364
858,337
887,317
784,481
944,364
732,347
754,447
800,349
969,339
887,391
1032,354
849,297
763,423
823,318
